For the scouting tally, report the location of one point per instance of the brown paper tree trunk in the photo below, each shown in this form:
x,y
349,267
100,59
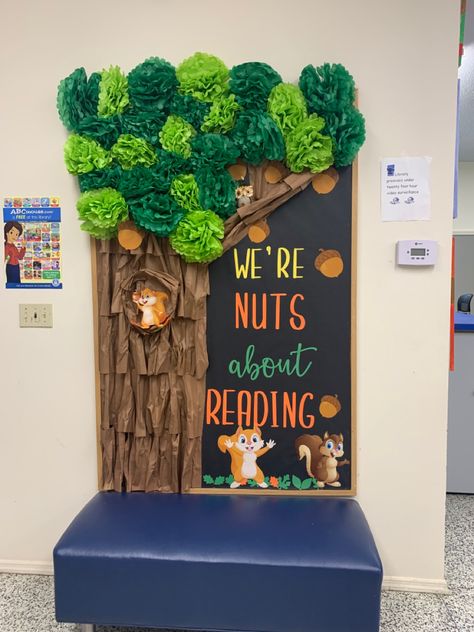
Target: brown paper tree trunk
x,y
153,387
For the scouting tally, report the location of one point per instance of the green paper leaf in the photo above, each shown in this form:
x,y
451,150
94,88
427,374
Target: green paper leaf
x,y
207,478
306,484
219,480
296,481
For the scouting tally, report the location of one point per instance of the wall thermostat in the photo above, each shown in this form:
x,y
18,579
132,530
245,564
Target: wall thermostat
x,y
417,253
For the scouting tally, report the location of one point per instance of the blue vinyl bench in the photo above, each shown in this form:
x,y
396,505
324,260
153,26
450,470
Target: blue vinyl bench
x,y
221,563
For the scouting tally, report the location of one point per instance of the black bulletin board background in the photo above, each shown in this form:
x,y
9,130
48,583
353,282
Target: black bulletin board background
x,y
310,221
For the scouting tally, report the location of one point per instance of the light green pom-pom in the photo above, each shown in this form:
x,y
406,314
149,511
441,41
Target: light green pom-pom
x,y
82,155
221,117
287,107
113,92
307,148
176,135
198,236
203,76
101,211
185,192
130,151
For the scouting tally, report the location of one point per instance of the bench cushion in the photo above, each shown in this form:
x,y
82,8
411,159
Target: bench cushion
x,y
218,562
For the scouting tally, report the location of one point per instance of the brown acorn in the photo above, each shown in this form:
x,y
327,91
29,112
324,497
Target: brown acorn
x,y
237,171
273,174
329,406
259,231
329,263
129,236
325,181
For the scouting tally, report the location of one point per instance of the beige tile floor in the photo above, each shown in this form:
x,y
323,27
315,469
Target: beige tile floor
x,y
27,602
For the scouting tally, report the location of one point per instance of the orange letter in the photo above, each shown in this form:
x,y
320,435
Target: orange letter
x,y
302,323
225,410
277,307
244,415
289,409
263,322
212,413
256,420
301,414
241,310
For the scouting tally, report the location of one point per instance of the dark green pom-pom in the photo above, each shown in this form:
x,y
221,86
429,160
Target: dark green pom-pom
x,y
77,98
190,109
169,166
103,130
327,88
145,125
100,179
216,191
213,151
156,212
252,83
258,137
136,182
347,130
152,84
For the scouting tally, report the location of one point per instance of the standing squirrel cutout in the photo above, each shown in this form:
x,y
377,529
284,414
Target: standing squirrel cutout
x,y
321,457
152,306
244,447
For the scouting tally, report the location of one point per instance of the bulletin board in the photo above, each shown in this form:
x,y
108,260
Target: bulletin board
x,y
281,344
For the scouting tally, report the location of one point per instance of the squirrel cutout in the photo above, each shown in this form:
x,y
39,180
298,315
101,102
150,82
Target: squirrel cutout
x,y
321,457
244,447
152,306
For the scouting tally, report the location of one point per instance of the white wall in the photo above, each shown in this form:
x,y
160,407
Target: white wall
x,y
404,58
464,222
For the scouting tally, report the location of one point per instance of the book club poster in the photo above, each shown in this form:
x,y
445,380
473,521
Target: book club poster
x,y
32,242
278,394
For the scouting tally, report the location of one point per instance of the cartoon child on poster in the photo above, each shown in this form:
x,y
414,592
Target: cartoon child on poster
x,y
12,231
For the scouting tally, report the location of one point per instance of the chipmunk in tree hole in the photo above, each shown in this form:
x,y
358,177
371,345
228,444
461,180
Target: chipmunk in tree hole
x,y
152,306
244,447
321,457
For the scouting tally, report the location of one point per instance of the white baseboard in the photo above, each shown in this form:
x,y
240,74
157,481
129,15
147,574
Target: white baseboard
x,y
26,567
404,584
416,584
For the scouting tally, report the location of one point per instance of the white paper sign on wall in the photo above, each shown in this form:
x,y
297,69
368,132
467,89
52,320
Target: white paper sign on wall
x,y
405,189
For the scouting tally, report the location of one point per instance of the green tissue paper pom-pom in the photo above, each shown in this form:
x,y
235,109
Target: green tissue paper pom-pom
x,y
327,88
77,98
307,148
252,83
176,135
221,117
168,167
185,192
131,151
113,92
203,76
100,179
152,84
190,109
104,130
198,236
156,212
146,125
257,137
82,155
213,151
287,107
217,191
136,182
347,130
101,211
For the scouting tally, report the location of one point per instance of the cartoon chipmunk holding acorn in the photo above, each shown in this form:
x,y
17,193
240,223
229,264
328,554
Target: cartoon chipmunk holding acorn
x,y
244,447
152,306
321,457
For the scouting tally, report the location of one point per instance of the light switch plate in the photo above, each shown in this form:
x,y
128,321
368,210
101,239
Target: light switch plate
x,y
36,315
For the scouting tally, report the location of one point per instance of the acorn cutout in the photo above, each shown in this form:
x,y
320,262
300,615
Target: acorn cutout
x,y
238,171
259,231
329,406
325,181
129,236
329,263
273,174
